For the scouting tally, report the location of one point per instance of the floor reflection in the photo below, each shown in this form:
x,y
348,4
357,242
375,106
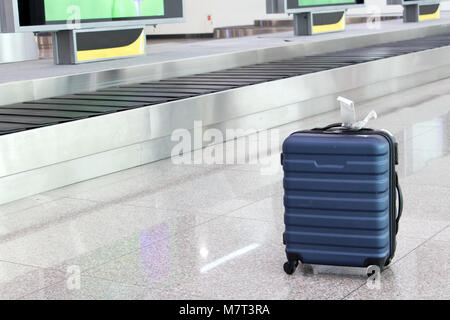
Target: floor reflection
x,y
418,150
155,253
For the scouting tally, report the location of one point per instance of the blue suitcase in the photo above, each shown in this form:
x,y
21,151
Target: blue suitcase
x,y
340,200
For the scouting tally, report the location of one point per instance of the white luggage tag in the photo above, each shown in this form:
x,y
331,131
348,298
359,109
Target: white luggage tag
x,y
348,115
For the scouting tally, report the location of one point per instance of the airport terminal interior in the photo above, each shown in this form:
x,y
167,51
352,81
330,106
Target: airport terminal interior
x,y
141,156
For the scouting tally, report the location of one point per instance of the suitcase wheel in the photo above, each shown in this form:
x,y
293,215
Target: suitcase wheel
x,y
388,262
290,267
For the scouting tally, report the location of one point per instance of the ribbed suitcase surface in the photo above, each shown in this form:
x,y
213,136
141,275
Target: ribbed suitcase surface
x,y
338,198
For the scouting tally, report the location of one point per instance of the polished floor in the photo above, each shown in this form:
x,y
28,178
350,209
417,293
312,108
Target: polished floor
x,y
167,231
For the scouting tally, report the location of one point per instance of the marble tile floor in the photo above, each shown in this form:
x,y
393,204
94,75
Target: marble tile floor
x,y
166,231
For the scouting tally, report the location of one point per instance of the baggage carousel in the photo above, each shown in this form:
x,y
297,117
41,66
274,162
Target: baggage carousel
x,y
57,140
57,110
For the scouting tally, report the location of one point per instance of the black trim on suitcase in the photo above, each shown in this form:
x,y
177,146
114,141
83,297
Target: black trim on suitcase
x,y
395,190
400,200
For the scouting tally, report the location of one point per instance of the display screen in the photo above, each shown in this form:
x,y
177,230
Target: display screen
x,y
61,10
302,4
310,3
56,14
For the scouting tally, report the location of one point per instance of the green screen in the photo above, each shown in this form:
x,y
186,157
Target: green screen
x,y
309,3
62,10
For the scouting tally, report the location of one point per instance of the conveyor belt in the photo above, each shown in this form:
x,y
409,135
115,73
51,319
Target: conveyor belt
x,y
45,112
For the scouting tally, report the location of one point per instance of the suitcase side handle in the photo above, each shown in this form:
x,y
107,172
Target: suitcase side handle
x,y
400,201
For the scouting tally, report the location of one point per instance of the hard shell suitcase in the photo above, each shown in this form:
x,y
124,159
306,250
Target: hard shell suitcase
x,y
340,198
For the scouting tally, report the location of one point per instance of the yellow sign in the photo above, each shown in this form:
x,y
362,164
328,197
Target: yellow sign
x,y
330,27
134,49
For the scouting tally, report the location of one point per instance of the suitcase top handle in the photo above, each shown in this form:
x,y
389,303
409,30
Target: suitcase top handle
x,y
340,126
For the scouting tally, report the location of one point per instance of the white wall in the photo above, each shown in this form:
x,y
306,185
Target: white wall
x,y
196,12
375,7
445,5
239,12
224,13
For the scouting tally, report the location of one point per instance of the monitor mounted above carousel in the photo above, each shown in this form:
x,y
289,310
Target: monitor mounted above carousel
x,y
419,10
86,30
319,16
